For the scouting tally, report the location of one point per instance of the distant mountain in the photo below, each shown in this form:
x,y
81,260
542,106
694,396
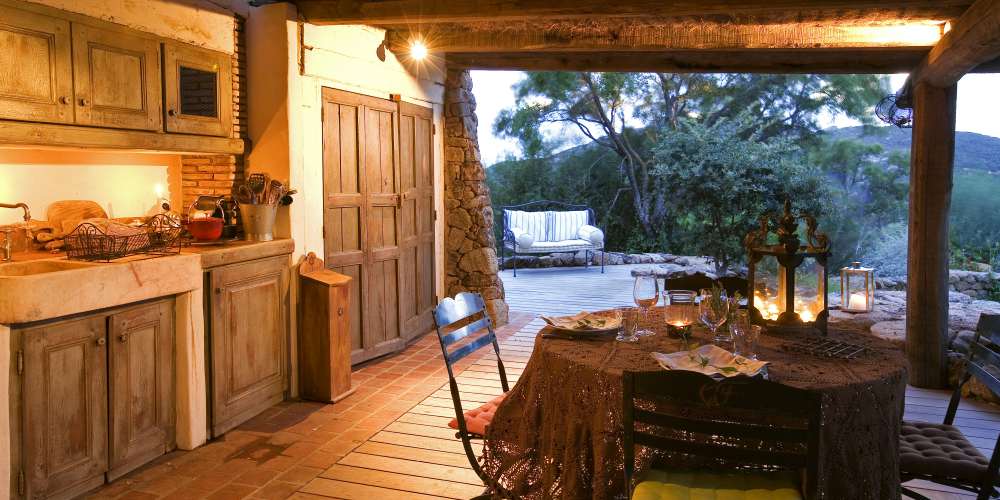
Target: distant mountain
x,y
972,151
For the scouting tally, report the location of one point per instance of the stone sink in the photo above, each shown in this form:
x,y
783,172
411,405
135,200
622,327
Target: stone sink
x,y
44,289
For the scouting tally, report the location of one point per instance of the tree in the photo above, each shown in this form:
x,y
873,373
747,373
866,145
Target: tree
x,y
724,176
629,113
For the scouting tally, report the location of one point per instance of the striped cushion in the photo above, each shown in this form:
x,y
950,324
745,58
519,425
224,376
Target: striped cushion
x,y
532,223
564,225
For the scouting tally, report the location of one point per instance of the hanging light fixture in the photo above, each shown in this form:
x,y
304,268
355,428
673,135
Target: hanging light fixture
x,y
891,110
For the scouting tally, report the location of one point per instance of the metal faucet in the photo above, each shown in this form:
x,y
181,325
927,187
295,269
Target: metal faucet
x,y
5,250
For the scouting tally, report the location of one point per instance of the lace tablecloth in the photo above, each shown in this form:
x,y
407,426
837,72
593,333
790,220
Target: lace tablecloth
x,y
558,433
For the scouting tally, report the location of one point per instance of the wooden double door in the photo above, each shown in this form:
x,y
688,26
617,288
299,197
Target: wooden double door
x,y
378,220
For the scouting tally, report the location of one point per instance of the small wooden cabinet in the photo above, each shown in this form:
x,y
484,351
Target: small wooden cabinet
x,y
249,340
198,90
96,399
117,78
36,72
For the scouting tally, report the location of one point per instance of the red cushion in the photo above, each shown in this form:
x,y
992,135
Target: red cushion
x,y
476,420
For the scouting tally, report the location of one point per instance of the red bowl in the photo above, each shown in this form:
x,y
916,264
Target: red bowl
x,y
206,229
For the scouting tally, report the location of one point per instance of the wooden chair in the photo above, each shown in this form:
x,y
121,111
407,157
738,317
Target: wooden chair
x,y
739,434
457,321
940,453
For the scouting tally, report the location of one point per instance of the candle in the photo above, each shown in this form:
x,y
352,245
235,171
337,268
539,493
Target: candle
x,y
806,315
858,302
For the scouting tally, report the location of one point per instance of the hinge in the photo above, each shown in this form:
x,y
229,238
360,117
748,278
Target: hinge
x,y
20,362
434,129
20,482
435,212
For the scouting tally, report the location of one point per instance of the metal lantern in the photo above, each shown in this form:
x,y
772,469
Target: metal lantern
x,y
787,279
857,288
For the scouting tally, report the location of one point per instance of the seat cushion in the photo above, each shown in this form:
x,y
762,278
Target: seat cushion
x,y
478,419
939,450
573,245
684,485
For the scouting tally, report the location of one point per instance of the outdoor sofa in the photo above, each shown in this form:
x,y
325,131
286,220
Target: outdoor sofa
x,y
547,227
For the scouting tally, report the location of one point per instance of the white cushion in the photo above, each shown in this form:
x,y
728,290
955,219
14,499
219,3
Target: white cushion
x,y
532,223
591,234
522,237
558,246
565,225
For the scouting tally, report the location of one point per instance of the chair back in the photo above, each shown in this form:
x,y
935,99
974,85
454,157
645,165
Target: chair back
x,y
736,422
982,361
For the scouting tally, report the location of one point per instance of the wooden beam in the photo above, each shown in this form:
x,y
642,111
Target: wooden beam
x,y
974,39
390,12
870,61
931,167
44,135
636,37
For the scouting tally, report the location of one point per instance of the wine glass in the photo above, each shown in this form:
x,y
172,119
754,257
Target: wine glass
x,y
714,310
646,293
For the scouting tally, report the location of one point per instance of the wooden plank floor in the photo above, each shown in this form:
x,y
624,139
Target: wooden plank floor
x,y
417,455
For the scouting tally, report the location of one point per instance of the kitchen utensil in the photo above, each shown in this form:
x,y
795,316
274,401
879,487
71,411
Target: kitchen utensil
x,y
257,183
275,191
64,215
243,194
206,229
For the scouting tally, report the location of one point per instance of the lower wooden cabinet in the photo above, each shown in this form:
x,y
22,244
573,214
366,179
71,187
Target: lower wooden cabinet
x,y
248,339
96,399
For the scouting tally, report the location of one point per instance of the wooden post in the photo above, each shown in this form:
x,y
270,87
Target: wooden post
x,y
931,165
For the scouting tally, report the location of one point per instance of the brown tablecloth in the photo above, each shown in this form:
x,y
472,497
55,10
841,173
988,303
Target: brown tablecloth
x,y
558,433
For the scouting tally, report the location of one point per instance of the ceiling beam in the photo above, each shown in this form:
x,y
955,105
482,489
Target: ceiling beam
x,y
974,39
830,61
570,37
389,12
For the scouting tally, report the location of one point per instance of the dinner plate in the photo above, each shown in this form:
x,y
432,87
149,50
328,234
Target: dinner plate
x,y
583,323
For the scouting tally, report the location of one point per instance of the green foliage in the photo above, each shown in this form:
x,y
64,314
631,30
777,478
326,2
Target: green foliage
x,y
724,176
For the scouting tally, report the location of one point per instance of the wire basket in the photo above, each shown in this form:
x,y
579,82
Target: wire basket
x,y
160,235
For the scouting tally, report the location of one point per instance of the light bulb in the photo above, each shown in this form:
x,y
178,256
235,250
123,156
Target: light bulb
x,y
418,50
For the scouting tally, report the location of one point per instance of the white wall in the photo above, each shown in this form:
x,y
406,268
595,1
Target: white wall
x,y
123,184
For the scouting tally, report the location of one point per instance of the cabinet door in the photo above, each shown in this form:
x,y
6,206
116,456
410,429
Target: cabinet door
x,y
65,407
36,76
249,341
142,385
117,79
198,86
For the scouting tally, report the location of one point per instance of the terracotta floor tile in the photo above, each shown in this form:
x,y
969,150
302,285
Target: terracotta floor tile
x,y
232,492
138,495
300,474
277,490
257,477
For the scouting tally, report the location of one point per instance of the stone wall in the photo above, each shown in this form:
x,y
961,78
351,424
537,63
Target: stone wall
x,y
470,247
974,284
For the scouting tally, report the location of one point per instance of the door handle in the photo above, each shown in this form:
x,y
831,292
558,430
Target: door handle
x,y
123,338
101,341
63,100
171,112
84,102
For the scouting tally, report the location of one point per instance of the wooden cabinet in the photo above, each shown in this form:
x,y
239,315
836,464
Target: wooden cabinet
x,y
117,78
96,399
65,417
249,340
36,75
198,90
141,386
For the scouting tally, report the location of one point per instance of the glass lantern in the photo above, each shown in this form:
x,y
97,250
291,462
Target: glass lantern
x,y
787,278
857,288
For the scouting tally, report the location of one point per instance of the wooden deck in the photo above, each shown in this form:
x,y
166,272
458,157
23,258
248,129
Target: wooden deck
x,y
417,456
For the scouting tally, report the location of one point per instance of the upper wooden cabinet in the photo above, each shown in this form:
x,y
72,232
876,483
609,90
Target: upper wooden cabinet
x,y
199,90
36,75
117,79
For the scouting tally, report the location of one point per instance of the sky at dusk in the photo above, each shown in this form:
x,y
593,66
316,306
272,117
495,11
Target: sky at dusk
x,y
978,108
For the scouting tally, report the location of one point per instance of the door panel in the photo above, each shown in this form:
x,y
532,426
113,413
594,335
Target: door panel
x,y
65,407
36,75
417,275
142,386
249,340
117,79
197,90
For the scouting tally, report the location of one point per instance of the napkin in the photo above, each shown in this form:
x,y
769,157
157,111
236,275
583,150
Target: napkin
x,y
710,360
583,321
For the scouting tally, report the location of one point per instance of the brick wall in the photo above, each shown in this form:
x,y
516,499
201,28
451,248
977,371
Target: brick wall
x,y
216,175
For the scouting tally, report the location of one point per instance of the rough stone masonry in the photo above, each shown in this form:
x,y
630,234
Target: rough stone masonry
x,y
470,247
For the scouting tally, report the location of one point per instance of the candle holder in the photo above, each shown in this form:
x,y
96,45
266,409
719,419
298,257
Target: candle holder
x,y
679,318
857,288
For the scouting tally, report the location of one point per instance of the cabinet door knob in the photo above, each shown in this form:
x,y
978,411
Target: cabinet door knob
x,y
101,341
171,112
123,338
84,102
63,100
340,311
218,290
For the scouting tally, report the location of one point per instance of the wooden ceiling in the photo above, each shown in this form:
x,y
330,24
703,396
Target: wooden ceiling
x,y
766,36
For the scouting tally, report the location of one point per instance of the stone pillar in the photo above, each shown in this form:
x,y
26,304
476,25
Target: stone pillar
x,y
470,247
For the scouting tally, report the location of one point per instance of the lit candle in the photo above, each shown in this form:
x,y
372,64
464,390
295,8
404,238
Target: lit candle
x,y
858,302
806,315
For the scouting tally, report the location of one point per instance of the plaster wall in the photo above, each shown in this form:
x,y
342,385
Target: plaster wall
x,y
204,23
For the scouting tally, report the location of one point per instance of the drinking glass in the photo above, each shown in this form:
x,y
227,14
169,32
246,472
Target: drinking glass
x,y
739,328
750,339
714,311
646,293
629,318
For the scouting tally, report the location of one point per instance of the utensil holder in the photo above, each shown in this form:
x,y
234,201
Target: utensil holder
x,y
258,221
